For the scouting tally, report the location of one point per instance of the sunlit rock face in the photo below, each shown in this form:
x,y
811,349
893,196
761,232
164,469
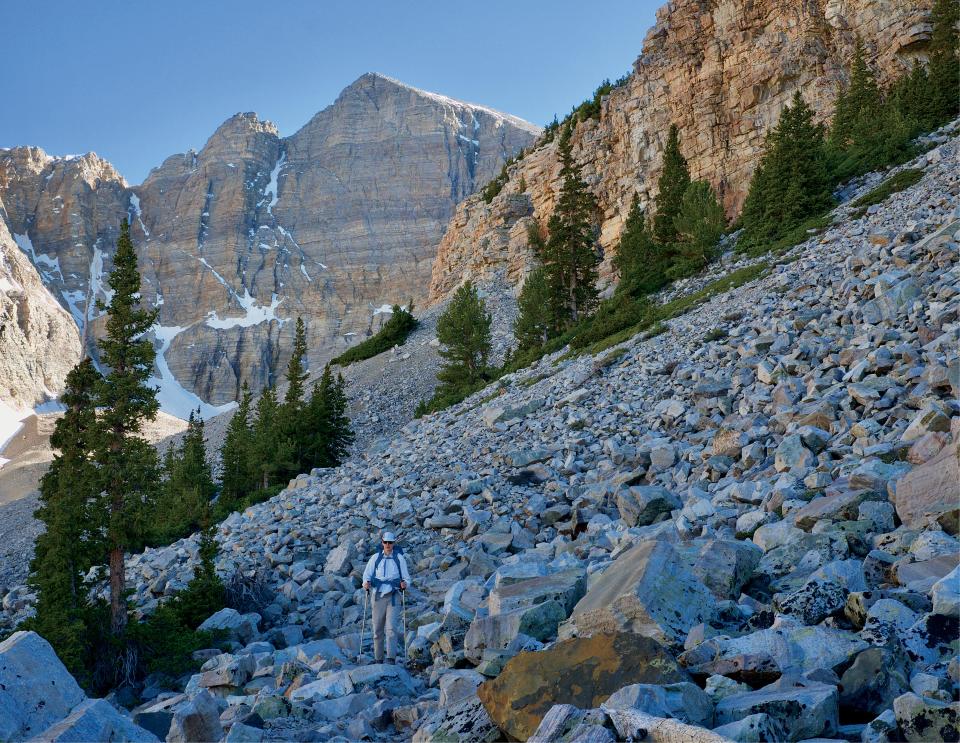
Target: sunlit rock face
x,y
334,224
721,72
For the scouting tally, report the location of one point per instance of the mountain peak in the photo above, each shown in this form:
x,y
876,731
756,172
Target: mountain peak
x,y
377,79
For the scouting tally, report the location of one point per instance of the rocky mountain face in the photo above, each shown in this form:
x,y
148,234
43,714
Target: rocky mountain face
x,y
39,340
722,71
335,224
757,509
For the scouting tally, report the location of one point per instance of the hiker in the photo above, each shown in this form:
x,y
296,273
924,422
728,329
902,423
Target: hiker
x,y
387,574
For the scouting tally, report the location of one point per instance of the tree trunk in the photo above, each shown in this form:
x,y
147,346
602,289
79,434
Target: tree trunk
x,y
118,603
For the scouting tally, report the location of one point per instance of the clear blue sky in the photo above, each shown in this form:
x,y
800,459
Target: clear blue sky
x,y
138,81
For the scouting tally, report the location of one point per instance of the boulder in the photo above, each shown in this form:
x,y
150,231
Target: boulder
x,y
635,725
240,627
499,631
340,707
340,558
196,719
725,565
930,490
647,591
813,602
565,723
682,701
466,721
792,455
458,685
565,587
801,709
788,646
876,678
643,505
946,594
38,691
758,728
583,672
927,719
96,719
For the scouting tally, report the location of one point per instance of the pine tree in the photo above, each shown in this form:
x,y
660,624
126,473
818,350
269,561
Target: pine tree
x,y
570,257
188,487
237,478
642,265
339,434
69,547
128,462
290,416
464,334
272,453
534,322
857,105
674,179
944,72
791,182
699,224
910,94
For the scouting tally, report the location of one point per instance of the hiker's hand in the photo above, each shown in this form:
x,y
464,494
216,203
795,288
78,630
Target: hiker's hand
x,y
403,585
366,585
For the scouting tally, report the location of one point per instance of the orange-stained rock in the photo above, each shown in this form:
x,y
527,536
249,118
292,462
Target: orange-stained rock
x,y
581,671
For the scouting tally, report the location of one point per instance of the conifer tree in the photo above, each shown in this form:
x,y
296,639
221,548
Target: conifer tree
x,y
127,461
290,416
69,547
570,257
674,179
857,106
791,182
910,94
642,265
188,487
534,323
237,477
464,334
699,225
339,434
944,72
269,454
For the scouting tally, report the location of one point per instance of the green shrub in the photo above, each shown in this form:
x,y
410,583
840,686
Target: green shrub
x,y
902,180
394,332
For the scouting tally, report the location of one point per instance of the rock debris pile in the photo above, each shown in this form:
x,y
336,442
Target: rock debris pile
x,y
747,537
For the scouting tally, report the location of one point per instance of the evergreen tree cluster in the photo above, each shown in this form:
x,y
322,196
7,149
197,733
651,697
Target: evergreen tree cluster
x,y
871,128
393,333
278,440
106,494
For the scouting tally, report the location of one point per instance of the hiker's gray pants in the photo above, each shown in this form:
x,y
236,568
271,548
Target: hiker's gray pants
x,y
385,616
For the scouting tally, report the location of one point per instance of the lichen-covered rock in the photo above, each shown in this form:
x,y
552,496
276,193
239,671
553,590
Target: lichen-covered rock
x,y
926,719
465,722
96,720
583,672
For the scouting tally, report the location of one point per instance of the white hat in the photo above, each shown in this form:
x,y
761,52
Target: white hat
x,y
389,536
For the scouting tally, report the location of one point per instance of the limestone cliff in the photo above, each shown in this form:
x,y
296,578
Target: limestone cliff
x,y
722,70
39,342
235,240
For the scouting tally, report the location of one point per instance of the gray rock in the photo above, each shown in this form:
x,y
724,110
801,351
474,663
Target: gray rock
x,y
38,691
646,590
813,602
96,719
339,560
458,685
946,594
465,722
196,719
926,719
643,505
682,701
806,710
876,678
240,627
756,728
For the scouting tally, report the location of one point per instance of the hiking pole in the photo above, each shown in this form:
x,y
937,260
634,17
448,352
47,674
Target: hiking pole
x,y
363,620
403,597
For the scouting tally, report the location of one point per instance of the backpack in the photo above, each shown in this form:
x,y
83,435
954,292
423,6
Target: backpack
x,y
380,556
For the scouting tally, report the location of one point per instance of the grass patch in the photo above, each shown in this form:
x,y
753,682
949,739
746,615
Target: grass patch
x,y
715,335
683,304
900,181
394,333
801,233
